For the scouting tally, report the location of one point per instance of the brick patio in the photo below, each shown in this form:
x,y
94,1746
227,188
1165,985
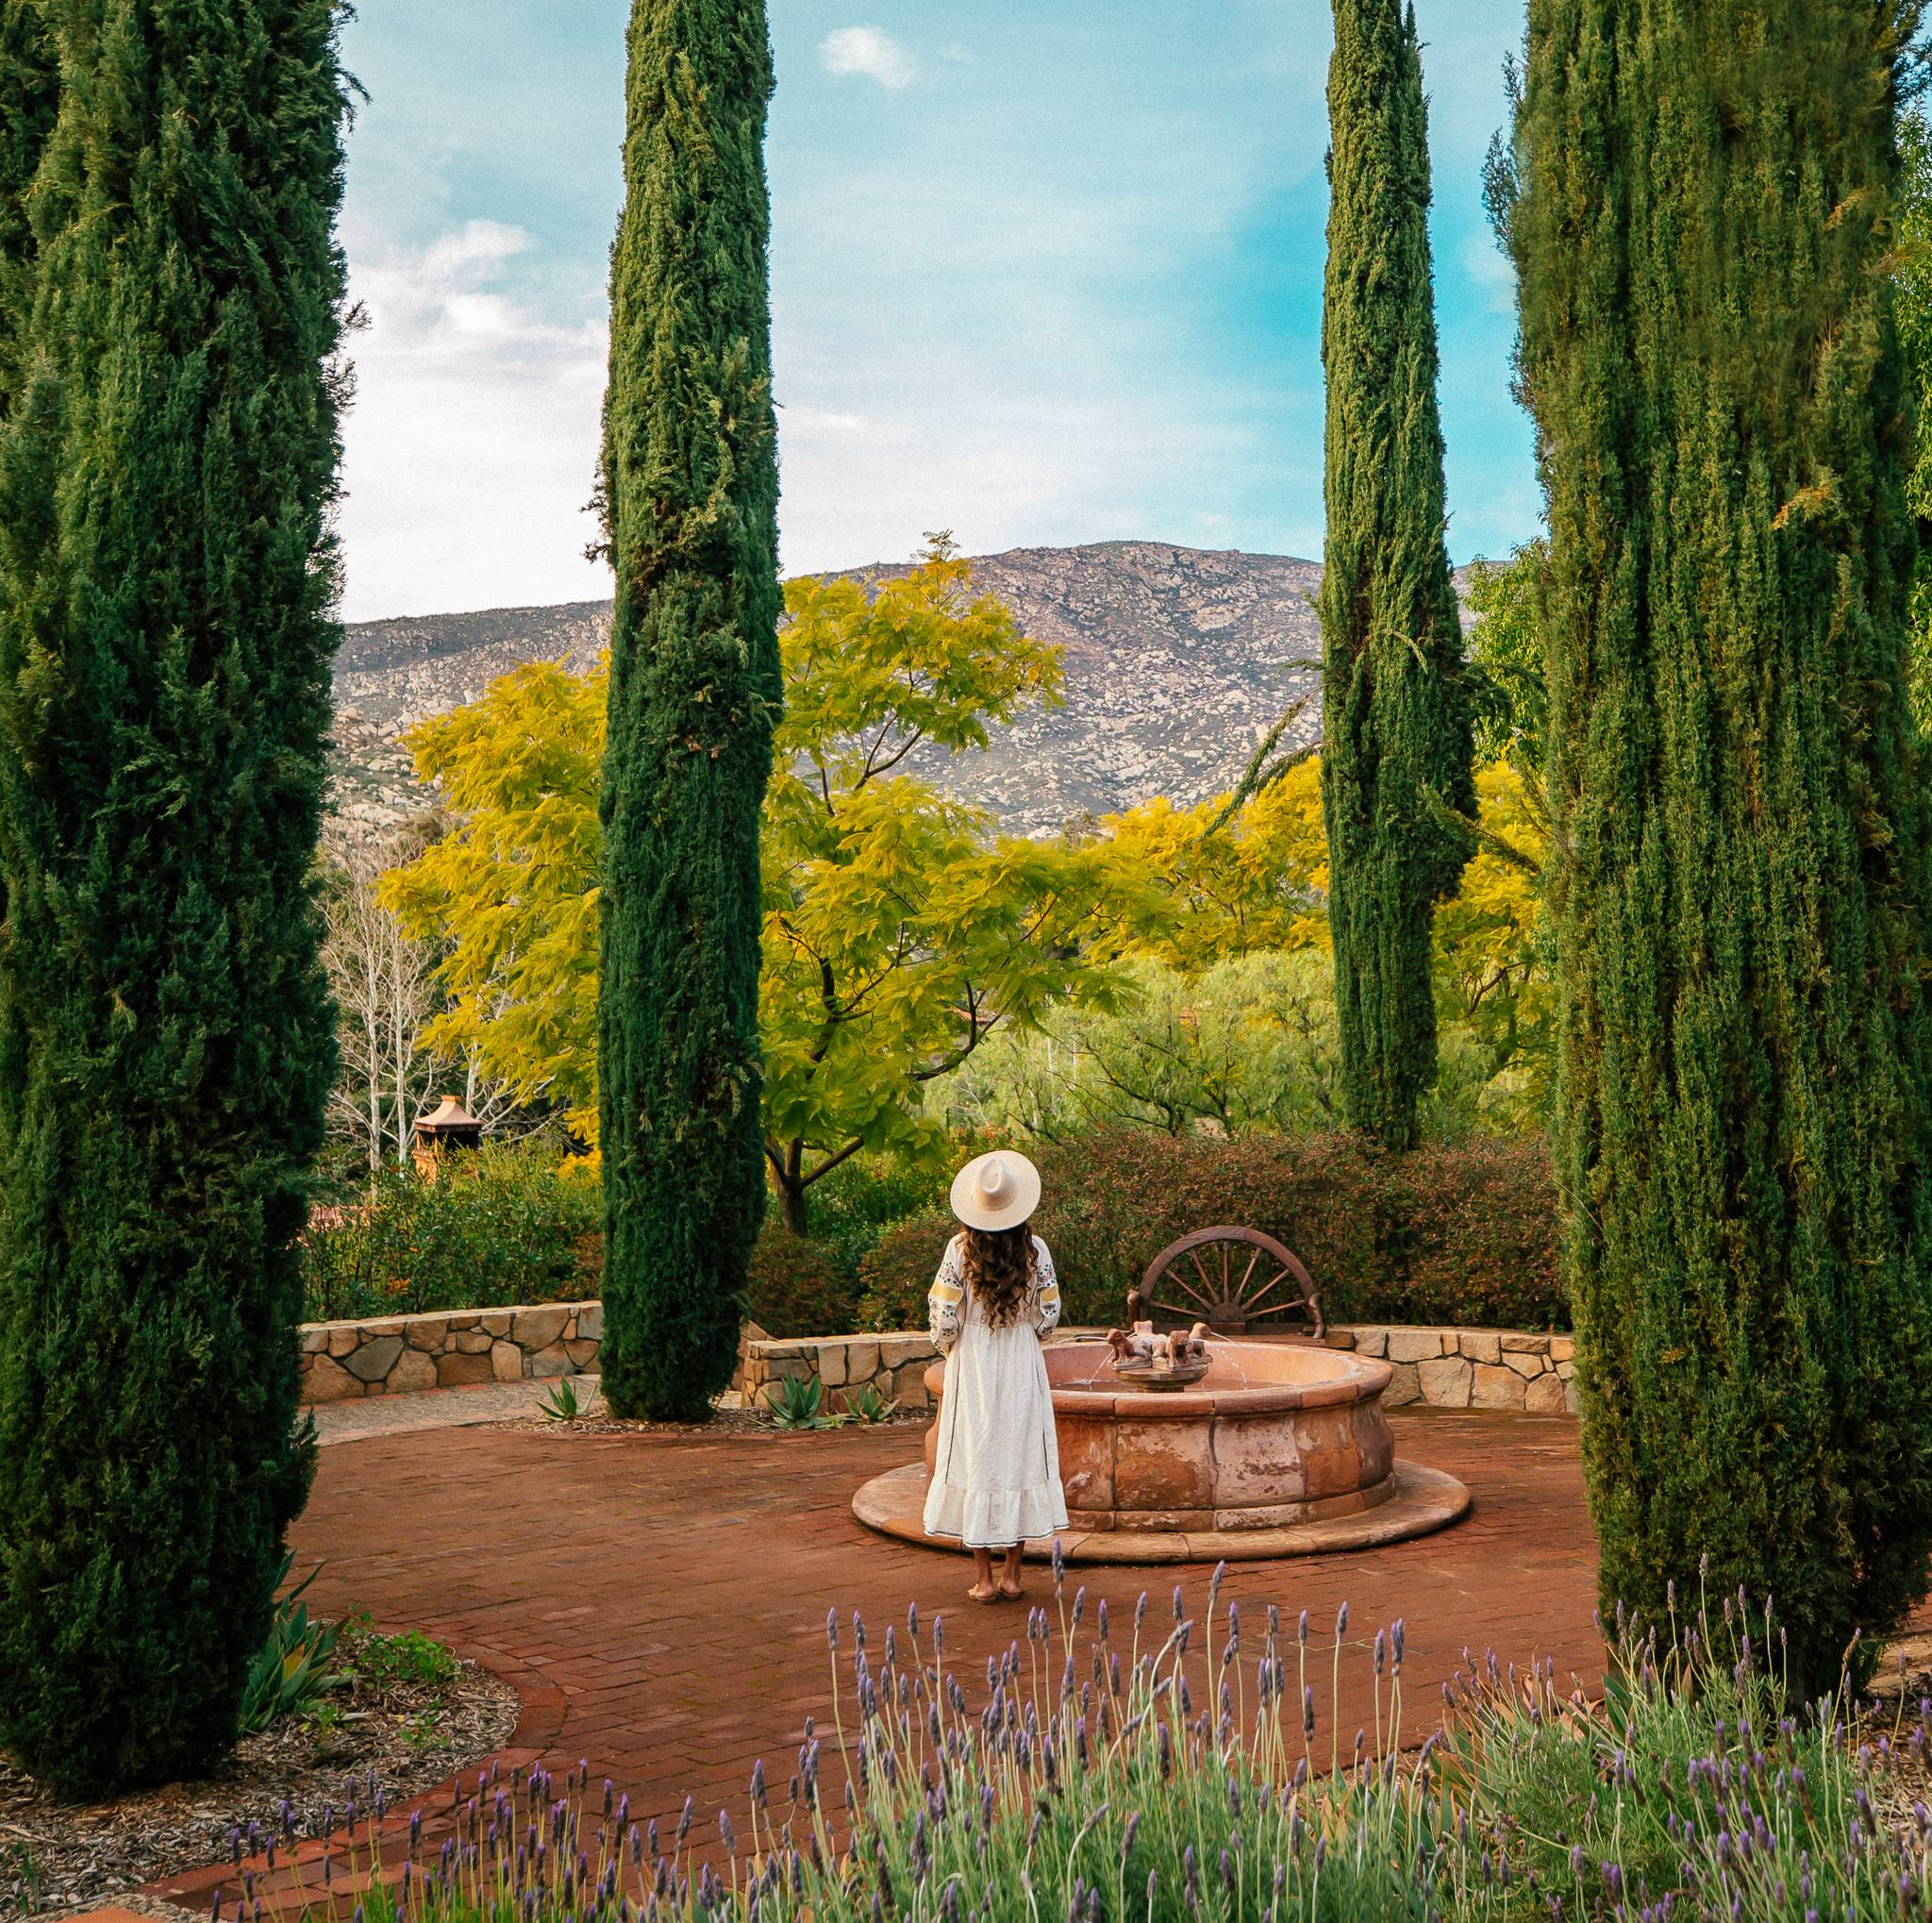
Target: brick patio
x,y
660,1600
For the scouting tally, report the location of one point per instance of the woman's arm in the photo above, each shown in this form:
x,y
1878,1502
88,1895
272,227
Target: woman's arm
x,y
1048,1286
944,1301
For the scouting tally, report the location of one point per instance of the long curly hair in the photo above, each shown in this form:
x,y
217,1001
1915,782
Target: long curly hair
x,y
999,1271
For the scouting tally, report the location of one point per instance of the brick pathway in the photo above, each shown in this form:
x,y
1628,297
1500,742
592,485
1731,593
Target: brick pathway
x,y
660,1601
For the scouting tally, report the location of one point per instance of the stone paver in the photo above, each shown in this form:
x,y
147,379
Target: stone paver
x,y
660,1600
386,1415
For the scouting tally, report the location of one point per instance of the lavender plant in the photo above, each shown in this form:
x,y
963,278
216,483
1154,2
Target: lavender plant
x,y
1172,1768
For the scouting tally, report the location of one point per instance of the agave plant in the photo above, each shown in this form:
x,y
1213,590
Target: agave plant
x,y
866,1404
799,1402
290,1673
562,1404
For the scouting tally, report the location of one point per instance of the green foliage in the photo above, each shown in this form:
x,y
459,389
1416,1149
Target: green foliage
x,y
424,1731
1700,1790
512,1223
1912,261
1510,690
1245,1047
1456,1232
561,1404
798,1402
290,1674
168,449
856,1202
1700,204
378,1662
509,895
899,931
1395,720
867,1405
690,496
796,1288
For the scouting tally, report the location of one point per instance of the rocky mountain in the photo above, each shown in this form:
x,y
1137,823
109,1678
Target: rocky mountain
x,y
1177,660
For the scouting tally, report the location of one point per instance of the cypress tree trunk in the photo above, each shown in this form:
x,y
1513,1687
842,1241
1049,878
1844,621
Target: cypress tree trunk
x,y
166,1044
1395,724
1709,349
691,490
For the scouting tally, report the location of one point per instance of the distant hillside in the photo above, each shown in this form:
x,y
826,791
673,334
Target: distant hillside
x,y
1174,666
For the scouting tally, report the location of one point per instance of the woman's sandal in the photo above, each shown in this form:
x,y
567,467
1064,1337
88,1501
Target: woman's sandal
x,y
1012,1595
992,1594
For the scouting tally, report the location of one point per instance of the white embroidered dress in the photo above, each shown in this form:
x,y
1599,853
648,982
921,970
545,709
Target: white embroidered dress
x,y
996,1478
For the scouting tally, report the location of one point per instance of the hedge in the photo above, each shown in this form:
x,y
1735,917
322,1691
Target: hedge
x,y
1462,1234
514,1222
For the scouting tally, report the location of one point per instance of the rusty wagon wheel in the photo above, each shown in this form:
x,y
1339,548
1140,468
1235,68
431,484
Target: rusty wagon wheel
x,y
1228,1278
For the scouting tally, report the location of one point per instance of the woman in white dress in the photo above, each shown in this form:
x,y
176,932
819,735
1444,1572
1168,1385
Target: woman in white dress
x,y
996,1478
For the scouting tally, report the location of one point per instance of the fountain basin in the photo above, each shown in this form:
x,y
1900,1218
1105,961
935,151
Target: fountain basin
x,y
1281,1449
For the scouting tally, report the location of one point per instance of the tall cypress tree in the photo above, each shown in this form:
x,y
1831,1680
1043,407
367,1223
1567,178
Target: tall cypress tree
x,y
167,462
1704,193
1395,733
690,491
28,101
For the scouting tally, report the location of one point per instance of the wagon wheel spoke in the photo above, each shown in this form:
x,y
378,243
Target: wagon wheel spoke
x,y
1194,1257
1281,1276
1248,1272
1175,1277
1225,1250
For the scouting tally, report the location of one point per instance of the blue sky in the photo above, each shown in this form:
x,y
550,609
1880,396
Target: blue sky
x,y
1042,272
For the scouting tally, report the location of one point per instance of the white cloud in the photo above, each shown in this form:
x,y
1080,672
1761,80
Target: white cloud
x,y
470,452
1489,269
866,50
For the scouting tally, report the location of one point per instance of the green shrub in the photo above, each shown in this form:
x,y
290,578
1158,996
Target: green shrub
x,y
796,1289
1458,1232
854,1206
513,1223
894,1277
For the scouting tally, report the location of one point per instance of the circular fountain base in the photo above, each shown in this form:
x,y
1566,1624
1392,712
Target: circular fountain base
x,y
1281,1449
1419,1501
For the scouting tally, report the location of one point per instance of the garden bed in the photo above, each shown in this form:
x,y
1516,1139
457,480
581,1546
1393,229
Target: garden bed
x,y
412,1717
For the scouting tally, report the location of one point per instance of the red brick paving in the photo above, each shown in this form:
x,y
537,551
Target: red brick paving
x,y
660,1600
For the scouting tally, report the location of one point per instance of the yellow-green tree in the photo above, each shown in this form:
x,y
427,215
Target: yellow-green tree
x,y
510,892
1198,885
899,930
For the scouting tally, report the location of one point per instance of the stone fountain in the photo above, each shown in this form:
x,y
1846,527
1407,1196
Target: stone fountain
x,y
1278,1448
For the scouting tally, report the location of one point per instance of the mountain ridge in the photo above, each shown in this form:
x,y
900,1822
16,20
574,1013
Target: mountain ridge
x,y
1176,662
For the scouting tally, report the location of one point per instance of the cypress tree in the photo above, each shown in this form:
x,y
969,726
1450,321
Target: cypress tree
x,y
167,461
690,491
1704,193
1395,735
28,100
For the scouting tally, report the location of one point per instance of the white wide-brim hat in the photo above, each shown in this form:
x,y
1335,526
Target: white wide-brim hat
x,y
996,1191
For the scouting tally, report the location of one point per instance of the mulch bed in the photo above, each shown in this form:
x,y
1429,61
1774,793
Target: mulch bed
x,y
398,1735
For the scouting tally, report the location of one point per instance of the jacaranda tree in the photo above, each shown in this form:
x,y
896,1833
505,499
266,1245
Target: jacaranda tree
x,y
1704,198
1396,761
168,448
690,492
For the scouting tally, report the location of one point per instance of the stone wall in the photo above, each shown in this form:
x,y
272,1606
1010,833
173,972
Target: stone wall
x,y
400,1354
1439,1368
1470,1368
895,1365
